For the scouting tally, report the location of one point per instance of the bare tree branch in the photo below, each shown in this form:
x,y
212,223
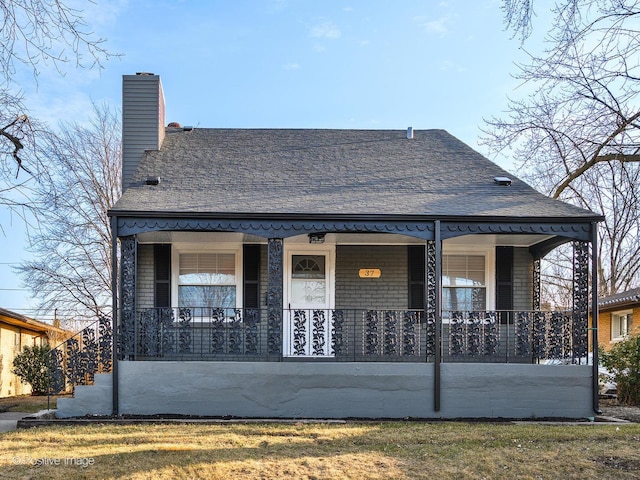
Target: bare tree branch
x,y
576,131
35,35
71,271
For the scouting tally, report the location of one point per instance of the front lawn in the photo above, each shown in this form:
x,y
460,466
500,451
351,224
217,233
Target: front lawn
x,y
27,403
358,450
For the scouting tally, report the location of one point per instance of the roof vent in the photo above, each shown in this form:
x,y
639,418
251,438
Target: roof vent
x,y
152,180
502,180
174,125
187,128
410,133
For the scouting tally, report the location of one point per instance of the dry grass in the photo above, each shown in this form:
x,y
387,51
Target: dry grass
x,y
323,451
26,403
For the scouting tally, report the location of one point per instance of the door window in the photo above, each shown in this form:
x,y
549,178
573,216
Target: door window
x,y
308,280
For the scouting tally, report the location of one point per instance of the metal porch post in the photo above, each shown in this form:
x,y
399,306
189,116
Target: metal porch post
x,y
594,316
438,315
275,276
115,404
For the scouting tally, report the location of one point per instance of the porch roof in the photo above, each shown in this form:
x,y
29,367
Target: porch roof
x,y
622,299
330,172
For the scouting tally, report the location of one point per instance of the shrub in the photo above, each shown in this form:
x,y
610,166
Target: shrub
x,y
623,363
31,367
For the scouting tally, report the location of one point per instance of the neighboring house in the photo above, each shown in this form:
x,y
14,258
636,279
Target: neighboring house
x,y
335,273
619,316
16,332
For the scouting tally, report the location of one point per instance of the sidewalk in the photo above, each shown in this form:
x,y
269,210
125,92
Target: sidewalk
x,y
9,420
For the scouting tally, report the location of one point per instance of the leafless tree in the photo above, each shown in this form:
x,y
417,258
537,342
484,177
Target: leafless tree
x,y
576,129
34,34
71,270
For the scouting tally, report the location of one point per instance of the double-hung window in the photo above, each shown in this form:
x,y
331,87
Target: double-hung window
x,y
464,286
207,280
620,324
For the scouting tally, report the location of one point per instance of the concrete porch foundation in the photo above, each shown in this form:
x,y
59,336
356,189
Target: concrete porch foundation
x,y
342,390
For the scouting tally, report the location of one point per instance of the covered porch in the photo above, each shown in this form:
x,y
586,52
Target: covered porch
x,y
429,291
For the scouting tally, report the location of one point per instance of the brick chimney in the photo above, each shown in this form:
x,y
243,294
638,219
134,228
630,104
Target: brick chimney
x,y
142,120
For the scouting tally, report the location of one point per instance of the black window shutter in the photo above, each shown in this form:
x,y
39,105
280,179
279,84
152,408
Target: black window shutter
x,y
162,275
251,275
504,280
416,276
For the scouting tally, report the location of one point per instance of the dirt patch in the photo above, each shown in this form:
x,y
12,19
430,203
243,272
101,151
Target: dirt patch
x,y
619,463
611,408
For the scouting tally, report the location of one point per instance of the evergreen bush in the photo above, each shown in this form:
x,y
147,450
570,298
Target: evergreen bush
x,y
623,364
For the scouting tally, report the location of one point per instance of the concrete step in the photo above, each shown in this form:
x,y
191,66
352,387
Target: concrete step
x,y
88,400
103,379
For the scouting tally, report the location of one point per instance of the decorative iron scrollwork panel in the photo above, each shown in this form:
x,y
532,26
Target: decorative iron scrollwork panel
x,y
184,330
251,320
410,345
580,320
539,335
390,345
536,284
235,333
55,365
473,334
490,326
105,344
371,339
274,295
299,332
318,332
555,340
457,334
217,331
432,294
337,333
523,334
126,329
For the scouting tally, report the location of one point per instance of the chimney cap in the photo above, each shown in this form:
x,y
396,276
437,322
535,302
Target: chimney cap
x,y
141,74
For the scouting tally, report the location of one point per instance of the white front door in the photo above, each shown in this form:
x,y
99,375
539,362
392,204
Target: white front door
x,y
308,302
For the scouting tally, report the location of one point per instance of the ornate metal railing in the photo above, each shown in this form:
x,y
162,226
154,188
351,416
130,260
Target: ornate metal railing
x,y
219,334
514,336
76,360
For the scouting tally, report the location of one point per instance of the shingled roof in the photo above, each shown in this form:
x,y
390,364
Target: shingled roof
x,y
350,172
627,298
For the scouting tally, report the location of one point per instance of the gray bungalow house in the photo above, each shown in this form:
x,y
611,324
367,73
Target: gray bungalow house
x,y
290,273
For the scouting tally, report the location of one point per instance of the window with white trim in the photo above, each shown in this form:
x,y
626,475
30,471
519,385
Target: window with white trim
x,y
207,280
464,286
620,324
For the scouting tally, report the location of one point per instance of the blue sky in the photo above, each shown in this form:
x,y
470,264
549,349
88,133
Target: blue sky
x,y
289,64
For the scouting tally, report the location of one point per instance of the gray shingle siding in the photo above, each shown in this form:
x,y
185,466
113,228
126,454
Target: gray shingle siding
x,y
389,291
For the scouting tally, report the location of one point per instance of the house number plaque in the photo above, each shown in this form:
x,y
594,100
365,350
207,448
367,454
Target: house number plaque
x,y
369,273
